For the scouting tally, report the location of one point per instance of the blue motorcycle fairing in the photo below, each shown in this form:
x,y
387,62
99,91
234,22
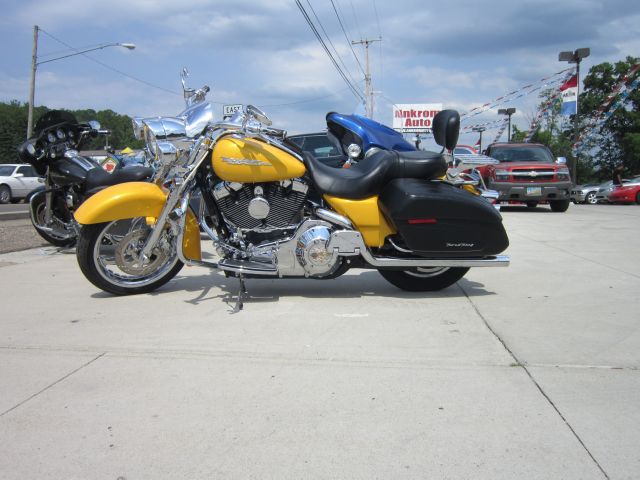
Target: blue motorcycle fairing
x,y
369,132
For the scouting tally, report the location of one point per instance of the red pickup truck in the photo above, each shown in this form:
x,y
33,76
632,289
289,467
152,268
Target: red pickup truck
x,y
528,173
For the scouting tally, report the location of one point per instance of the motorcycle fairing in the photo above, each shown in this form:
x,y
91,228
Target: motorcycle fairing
x,y
136,199
365,216
365,132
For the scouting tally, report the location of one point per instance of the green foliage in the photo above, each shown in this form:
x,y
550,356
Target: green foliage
x,y
618,142
13,128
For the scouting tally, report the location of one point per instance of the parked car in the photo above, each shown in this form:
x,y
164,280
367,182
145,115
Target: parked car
x,y
626,193
464,150
585,193
528,173
319,145
602,196
17,181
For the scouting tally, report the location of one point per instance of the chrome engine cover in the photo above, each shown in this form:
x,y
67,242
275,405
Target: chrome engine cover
x,y
305,254
312,251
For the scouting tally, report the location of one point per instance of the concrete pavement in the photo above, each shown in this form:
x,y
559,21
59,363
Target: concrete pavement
x,y
529,372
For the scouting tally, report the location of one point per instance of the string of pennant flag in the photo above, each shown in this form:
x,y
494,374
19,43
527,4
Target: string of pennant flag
x,y
550,81
548,106
613,102
502,129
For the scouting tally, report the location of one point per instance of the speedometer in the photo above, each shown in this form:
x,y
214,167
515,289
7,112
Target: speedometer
x,y
60,134
51,137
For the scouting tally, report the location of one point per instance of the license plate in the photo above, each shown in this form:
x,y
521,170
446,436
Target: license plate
x,y
534,191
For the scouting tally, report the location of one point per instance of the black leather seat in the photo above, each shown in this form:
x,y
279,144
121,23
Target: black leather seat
x,y
98,178
369,176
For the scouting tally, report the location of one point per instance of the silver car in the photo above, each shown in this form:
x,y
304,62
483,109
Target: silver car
x,y
17,181
585,193
604,189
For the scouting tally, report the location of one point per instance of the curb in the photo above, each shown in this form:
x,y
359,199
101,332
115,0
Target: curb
x,y
14,215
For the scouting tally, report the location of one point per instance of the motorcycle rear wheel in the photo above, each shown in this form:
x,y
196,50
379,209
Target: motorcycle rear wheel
x,y
424,279
107,255
38,206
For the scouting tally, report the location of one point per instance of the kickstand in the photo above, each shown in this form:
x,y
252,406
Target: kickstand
x,y
241,293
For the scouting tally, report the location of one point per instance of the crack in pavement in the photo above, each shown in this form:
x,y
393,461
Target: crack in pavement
x,y
523,365
53,384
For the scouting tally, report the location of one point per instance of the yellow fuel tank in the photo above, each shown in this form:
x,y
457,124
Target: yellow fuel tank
x,y
248,160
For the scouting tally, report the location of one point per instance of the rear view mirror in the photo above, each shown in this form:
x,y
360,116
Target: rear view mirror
x,y
446,128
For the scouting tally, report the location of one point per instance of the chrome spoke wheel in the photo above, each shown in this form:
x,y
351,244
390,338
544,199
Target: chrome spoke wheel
x,y
115,255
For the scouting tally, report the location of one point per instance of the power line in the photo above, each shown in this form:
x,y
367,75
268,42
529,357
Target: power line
x,y
375,9
308,100
326,49
347,38
110,67
330,42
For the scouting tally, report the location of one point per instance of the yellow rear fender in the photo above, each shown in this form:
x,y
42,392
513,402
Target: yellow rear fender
x,y
136,199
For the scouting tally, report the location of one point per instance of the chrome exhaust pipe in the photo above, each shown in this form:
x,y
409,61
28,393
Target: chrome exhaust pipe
x,y
492,261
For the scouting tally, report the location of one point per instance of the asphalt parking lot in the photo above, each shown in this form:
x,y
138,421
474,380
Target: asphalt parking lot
x,y
527,372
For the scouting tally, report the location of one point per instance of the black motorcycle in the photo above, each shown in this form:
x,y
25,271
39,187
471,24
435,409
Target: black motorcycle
x,y
69,178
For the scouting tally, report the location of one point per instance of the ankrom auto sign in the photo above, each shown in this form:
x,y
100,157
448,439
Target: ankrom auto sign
x,y
414,117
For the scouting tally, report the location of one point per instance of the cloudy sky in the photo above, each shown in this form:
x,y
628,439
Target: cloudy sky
x,y
461,53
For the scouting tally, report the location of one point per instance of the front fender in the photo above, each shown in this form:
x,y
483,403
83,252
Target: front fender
x,y
136,199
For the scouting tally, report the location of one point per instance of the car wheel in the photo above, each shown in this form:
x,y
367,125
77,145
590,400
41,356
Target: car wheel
x,y
5,194
532,204
559,205
638,198
591,198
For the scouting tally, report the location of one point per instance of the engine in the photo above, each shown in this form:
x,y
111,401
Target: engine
x,y
263,206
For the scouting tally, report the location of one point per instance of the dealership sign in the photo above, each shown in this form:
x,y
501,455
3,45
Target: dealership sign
x,y
414,117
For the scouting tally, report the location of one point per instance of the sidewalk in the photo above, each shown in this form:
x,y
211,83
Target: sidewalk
x,y
528,372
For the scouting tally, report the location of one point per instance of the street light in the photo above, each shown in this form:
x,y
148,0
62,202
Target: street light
x,y
575,57
480,130
35,63
507,111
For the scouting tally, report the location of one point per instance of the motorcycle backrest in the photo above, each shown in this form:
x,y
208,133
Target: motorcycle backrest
x,y
446,128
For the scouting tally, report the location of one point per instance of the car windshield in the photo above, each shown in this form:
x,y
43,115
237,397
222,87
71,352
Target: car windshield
x,y
6,170
318,146
522,154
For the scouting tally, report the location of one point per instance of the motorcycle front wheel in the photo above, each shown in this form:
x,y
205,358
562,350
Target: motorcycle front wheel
x,y
424,279
57,234
108,255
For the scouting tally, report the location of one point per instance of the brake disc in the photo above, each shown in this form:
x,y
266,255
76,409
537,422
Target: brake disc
x,y
128,254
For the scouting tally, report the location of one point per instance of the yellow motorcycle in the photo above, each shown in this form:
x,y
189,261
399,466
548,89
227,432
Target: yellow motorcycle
x,y
273,211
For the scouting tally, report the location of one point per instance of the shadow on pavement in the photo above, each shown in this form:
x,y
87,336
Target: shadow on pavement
x,y
214,285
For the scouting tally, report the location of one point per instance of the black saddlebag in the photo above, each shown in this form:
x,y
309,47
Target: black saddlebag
x,y
438,220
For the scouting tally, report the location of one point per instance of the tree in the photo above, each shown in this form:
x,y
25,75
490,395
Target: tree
x,y
13,128
618,142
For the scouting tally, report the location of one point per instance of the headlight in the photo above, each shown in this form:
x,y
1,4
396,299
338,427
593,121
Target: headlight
x,y
151,141
563,173
502,174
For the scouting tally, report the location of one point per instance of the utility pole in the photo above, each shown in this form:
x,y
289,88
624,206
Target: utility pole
x,y
368,91
32,86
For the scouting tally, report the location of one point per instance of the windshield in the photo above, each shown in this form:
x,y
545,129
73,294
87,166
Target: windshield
x,y
522,154
6,171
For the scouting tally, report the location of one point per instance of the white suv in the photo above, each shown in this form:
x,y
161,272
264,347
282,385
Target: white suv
x,y
17,181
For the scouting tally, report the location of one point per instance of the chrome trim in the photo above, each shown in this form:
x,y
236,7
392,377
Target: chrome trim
x,y
492,261
334,218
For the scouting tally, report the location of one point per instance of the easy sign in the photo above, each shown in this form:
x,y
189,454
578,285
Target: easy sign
x,y
414,117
